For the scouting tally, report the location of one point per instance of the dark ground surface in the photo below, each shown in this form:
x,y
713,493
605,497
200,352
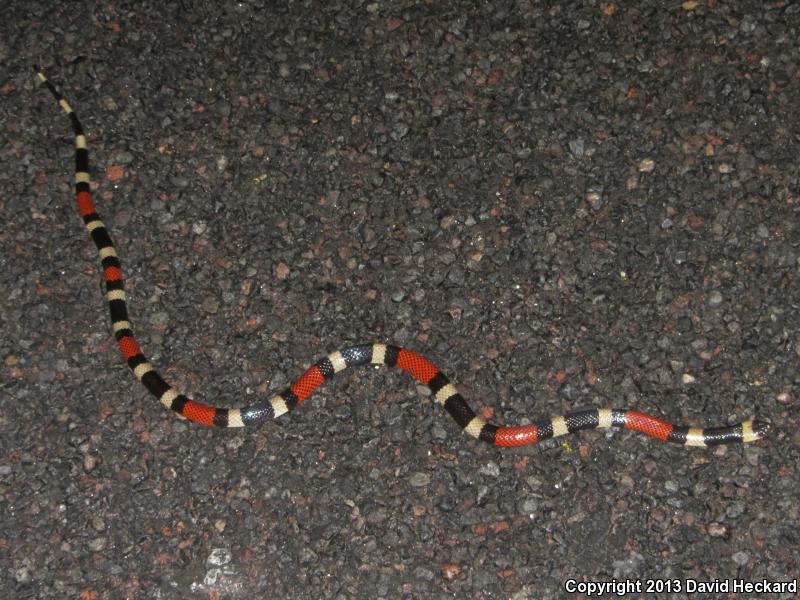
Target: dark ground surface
x,y
563,205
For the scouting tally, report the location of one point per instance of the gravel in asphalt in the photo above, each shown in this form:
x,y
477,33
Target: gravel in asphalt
x,y
563,204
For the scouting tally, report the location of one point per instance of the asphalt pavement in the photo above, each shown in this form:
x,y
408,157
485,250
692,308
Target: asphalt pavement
x,y
562,204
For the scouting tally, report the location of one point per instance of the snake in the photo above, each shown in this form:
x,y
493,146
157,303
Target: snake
x,y
442,390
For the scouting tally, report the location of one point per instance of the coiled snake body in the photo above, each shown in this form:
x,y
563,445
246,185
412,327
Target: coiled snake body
x,y
419,367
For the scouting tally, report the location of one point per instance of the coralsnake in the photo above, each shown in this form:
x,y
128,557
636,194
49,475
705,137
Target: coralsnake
x,y
419,367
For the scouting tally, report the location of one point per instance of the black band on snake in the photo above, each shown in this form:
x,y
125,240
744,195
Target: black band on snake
x,y
419,367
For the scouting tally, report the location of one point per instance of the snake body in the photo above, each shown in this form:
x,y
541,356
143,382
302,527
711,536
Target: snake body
x,y
419,367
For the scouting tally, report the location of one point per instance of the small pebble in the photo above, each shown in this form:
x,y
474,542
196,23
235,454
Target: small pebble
x,y
735,509
419,479
447,221
595,199
717,529
741,558
210,305
22,575
528,506
451,571
98,544
219,557
646,165
491,469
